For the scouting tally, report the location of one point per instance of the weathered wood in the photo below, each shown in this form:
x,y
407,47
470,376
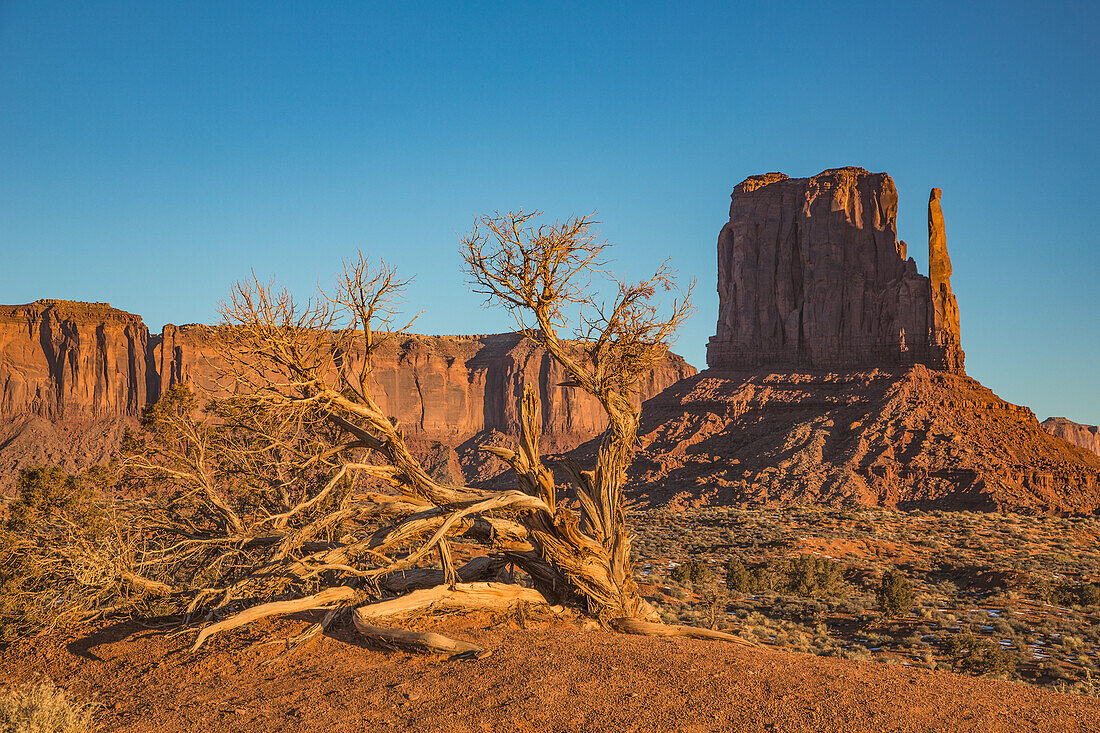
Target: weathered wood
x,y
479,569
648,628
447,599
325,599
420,641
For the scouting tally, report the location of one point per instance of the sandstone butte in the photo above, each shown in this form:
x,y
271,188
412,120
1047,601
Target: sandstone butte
x,y
836,373
74,376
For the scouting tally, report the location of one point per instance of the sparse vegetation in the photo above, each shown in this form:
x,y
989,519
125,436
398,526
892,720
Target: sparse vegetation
x,y
42,707
895,594
991,590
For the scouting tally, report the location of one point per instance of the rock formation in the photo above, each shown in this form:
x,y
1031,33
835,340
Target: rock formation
x,y
946,332
910,438
60,359
811,275
1086,436
74,376
444,388
837,373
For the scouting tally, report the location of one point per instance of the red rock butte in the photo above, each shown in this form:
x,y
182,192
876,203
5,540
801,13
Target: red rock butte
x,y
837,373
811,274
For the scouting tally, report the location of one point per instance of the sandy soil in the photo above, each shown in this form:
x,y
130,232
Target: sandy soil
x,y
537,679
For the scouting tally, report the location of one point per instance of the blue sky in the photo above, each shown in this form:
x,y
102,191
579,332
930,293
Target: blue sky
x,y
151,154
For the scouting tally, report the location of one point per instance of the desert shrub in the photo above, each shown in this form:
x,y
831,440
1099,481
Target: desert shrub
x,y
738,577
692,571
978,656
802,575
895,594
58,537
43,708
1076,594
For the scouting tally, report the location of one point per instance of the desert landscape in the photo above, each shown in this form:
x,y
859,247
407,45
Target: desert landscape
x,y
310,422
852,497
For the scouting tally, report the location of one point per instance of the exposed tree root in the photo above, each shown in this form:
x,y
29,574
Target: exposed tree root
x,y
325,599
448,599
646,628
420,641
478,569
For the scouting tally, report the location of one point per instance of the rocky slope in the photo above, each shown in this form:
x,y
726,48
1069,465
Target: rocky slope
x,y
74,376
1086,436
910,438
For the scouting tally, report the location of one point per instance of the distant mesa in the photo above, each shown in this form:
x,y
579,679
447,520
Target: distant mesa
x,y
74,376
1086,436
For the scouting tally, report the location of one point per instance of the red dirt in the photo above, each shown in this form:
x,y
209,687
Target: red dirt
x,y
545,679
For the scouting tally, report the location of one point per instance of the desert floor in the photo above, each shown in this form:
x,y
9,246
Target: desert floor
x,y
545,678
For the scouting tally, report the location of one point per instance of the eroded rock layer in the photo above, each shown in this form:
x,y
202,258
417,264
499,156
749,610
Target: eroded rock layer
x,y
912,438
811,274
1086,436
60,359
445,388
74,376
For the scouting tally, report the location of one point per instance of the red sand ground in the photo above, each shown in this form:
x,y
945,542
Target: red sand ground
x,y
538,679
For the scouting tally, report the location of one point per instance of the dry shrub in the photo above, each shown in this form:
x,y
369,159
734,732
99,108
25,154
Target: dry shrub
x,y
63,551
43,707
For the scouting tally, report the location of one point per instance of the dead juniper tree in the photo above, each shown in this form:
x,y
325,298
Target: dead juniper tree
x,y
294,490
542,275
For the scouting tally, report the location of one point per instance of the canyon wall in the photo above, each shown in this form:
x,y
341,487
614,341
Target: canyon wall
x,y
445,388
811,274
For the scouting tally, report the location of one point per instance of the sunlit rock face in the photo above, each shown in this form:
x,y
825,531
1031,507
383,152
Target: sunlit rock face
x,y
64,359
75,376
811,274
1086,436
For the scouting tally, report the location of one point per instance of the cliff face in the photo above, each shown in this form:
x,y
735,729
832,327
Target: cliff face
x,y
811,275
443,388
60,359
74,376
1086,436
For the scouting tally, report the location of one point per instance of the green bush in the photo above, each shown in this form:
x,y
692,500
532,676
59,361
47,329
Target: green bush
x,y
55,540
1082,594
895,594
803,575
975,655
692,571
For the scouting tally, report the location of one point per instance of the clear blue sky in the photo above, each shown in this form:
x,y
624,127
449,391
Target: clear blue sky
x,y
151,153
